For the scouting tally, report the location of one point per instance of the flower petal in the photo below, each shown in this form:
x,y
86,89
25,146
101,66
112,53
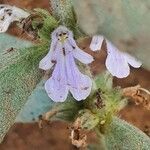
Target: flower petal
x,y
5,19
79,54
116,62
8,14
3,7
19,13
82,56
96,42
48,61
5,24
132,61
79,84
56,87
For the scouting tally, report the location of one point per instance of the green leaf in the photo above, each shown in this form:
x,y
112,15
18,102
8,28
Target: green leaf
x,y
126,23
6,42
123,136
38,103
19,75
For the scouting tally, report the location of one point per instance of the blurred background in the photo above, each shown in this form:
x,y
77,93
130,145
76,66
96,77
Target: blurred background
x,y
56,135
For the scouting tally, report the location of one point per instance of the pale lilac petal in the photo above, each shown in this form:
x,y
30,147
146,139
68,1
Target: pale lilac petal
x,y
49,60
118,68
79,84
82,56
96,42
72,42
46,62
79,54
84,88
56,87
116,62
132,61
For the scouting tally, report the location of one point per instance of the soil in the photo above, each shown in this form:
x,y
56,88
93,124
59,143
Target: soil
x,y
56,135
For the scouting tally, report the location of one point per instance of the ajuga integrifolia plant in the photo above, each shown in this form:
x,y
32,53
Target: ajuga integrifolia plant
x,y
67,86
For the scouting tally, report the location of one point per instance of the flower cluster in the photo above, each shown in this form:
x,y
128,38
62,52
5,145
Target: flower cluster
x,y
66,75
117,62
9,14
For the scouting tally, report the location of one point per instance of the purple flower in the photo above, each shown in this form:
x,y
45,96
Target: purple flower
x,y
66,75
117,62
9,14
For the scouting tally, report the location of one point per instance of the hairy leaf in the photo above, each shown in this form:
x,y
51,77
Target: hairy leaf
x,y
124,136
19,75
38,103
